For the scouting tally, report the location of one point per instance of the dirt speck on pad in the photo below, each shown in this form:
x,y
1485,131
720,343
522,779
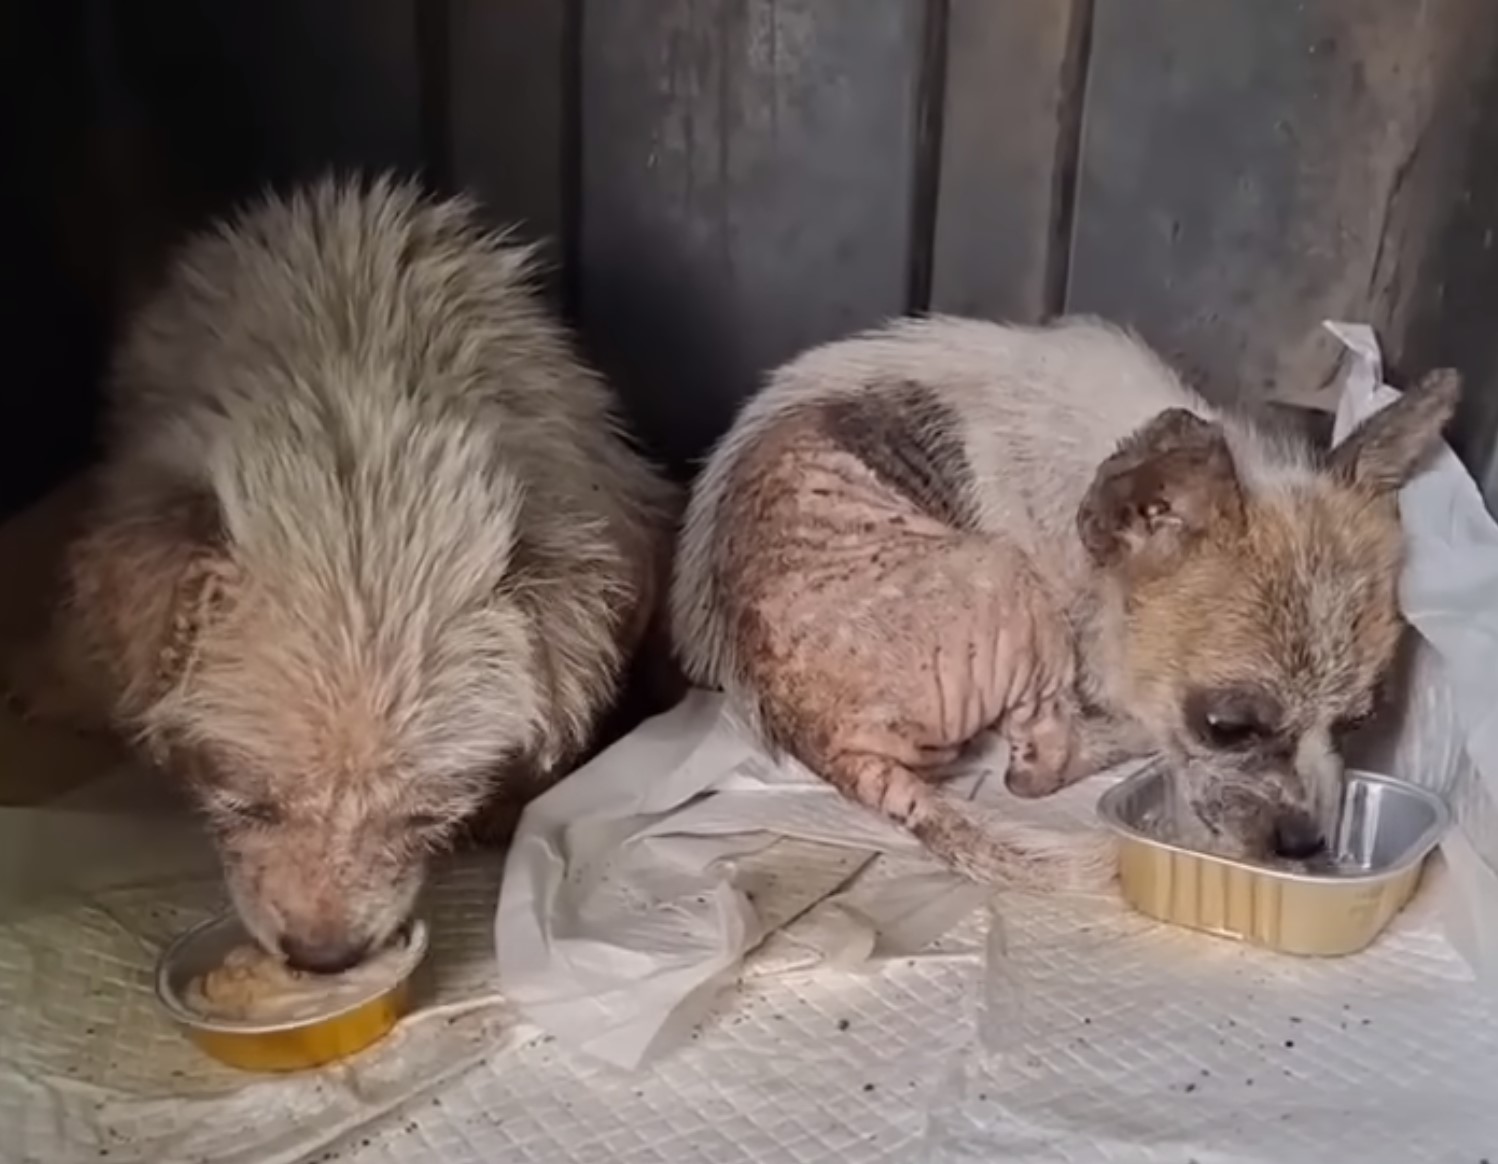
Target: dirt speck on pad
x,y
843,1024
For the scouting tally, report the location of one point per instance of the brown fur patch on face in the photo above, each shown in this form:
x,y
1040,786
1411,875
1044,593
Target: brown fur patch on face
x,y
1245,662
1291,594
1246,631
1300,602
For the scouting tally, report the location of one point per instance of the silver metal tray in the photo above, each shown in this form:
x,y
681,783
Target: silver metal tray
x,y
1336,906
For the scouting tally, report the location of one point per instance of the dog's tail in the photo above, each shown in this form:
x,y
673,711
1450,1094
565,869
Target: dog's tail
x,y
989,849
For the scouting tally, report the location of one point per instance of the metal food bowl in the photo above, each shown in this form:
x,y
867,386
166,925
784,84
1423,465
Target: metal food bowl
x,y
293,1045
1339,906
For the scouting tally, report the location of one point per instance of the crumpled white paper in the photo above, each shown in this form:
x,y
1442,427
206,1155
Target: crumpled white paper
x,y
621,913
1446,737
627,895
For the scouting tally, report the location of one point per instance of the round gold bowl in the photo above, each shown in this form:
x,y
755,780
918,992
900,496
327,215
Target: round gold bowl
x,y
348,1027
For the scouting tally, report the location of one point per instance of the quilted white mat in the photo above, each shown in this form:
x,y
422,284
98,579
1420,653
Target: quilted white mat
x,y
1055,1029
1071,1031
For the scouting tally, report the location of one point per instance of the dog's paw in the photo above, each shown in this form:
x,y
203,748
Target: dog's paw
x,y
1041,750
1028,776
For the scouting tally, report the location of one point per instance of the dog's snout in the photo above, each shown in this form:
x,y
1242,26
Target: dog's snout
x,y
322,956
1297,837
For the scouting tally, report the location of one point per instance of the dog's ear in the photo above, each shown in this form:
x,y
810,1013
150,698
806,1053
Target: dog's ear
x,y
1388,448
144,579
1167,484
204,586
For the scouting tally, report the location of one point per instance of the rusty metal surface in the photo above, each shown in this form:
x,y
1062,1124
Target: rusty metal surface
x,y
508,106
729,181
1012,91
1250,169
747,175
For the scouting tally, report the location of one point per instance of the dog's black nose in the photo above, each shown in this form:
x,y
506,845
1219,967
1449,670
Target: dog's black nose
x,y
322,957
1296,837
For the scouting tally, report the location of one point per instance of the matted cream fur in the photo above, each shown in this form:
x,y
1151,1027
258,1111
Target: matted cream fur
x,y
948,526
370,547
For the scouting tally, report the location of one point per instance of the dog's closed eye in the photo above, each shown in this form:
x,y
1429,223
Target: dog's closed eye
x,y
1231,733
1350,724
249,812
1232,719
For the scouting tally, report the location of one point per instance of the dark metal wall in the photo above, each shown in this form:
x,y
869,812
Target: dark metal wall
x,y
727,181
